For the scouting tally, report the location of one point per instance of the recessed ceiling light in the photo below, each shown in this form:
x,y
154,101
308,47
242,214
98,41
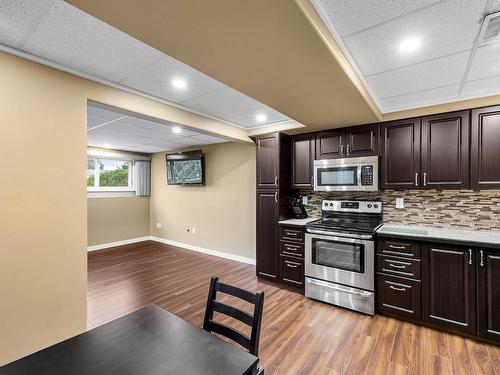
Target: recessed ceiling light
x,y
176,130
409,45
179,83
261,117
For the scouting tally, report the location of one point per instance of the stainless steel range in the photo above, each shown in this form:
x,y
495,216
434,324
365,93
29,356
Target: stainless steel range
x,y
340,254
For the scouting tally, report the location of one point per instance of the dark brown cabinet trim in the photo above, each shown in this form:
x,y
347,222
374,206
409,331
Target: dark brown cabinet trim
x,y
303,154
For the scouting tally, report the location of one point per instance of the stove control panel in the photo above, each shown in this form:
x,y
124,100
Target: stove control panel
x,y
374,207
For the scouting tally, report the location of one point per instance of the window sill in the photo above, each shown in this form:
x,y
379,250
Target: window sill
x,y
111,194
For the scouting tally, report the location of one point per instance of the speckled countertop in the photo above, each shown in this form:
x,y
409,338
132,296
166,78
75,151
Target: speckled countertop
x,y
470,237
298,222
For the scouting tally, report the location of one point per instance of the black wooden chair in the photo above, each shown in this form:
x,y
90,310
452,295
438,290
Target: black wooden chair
x,y
257,299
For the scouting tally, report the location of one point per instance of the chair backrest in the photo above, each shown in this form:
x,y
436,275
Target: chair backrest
x,y
257,299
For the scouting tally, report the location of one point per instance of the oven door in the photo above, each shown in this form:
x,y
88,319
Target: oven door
x,y
346,261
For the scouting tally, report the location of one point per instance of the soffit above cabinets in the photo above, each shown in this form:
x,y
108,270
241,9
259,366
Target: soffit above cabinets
x,y
447,64
61,33
113,128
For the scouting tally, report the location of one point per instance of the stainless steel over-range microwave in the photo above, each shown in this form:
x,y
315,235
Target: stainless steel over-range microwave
x,y
349,174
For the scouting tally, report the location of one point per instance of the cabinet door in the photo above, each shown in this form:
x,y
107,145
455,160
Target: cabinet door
x,y
445,151
330,144
488,288
267,160
485,148
449,285
362,140
267,233
303,153
400,154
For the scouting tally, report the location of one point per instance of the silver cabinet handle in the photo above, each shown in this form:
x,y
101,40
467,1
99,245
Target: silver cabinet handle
x,y
276,180
348,150
395,266
481,261
397,247
276,197
416,179
291,265
398,289
341,150
425,179
470,256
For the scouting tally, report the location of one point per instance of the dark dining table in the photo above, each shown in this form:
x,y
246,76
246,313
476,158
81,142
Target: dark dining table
x,y
149,341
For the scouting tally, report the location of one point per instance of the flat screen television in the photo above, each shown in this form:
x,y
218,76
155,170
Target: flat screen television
x,y
186,168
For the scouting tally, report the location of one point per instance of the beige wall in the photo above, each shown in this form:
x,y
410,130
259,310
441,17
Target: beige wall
x,y
43,237
116,219
223,211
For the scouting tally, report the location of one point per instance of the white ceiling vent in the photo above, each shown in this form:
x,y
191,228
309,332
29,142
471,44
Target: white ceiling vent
x,y
490,30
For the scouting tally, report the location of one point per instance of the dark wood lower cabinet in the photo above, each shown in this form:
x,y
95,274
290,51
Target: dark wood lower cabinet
x,y
449,287
488,293
267,233
292,270
398,296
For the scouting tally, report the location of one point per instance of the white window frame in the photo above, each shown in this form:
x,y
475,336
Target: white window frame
x,y
97,172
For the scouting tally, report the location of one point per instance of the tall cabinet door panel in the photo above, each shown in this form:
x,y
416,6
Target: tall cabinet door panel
x,y
400,154
330,144
485,148
267,233
488,288
303,153
362,140
448,287
445,151
267,161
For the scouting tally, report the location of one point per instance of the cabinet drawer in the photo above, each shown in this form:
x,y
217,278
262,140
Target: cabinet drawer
x,y
291,233
292,270
292,248
399,296
397,247
399,266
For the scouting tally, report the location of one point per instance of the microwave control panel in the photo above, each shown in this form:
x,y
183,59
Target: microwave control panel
x,y
367,175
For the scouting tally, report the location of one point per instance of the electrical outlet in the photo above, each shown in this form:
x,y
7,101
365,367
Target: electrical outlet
x,y
305,199
193,230
158,225
400,203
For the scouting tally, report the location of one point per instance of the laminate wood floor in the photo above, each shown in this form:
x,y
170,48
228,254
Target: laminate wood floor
x,y
299,336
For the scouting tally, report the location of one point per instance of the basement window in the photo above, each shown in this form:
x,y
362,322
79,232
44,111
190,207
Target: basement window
x,y
109,175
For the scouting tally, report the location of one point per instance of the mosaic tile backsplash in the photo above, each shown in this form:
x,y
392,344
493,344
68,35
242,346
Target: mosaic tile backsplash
x,y
459,209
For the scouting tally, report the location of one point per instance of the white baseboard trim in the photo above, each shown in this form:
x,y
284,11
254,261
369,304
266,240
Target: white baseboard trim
x,y
198,249
117,243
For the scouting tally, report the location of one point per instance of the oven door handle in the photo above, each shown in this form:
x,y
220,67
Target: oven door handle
x,y
339,236
340,288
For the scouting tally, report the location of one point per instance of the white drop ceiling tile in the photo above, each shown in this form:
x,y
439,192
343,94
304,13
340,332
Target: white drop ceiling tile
x,y
73,38
349,16
486,62
482,87
102,113
419,99
249,118
441,72
92,122
446,28
18,19
157,80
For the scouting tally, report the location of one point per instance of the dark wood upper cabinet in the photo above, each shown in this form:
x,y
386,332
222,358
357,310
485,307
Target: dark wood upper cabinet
x,y
449,287
267,233
488,289
303,153
355,141
330,144
267,160
400,154
273,161
362,140
485,148
445,151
